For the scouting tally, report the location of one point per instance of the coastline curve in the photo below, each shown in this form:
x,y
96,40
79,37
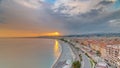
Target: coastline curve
x,y
57,59
66,56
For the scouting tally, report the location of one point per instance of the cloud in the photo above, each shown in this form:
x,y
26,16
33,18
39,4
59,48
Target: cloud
x,y
2,20
23,18
85,15
0,1
71,7
30,3
81,11
105,2
93,24
114,23
1,17
77,7
70,16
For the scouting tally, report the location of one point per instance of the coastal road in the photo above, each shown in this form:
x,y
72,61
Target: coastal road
x,y
75,52
85,61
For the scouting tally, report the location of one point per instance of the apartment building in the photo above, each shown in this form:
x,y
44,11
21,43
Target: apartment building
x,y
113,54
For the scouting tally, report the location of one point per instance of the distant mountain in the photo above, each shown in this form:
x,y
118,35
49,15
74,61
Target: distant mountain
x,y
85,35
96,35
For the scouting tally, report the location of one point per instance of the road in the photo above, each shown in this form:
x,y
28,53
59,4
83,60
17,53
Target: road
x,y
75,52
85,61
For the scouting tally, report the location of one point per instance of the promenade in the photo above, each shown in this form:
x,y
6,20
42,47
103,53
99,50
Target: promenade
x,y
66,58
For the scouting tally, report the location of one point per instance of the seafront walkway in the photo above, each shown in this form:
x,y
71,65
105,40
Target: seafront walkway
x,y
66,58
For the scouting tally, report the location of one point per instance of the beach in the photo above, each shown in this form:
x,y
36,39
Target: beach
x,y
66,57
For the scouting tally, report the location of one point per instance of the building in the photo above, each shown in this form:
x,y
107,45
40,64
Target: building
x,y
109,48
113,55
101,65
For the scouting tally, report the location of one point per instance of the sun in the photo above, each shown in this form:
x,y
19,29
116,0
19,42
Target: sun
x,y
57,33
52,34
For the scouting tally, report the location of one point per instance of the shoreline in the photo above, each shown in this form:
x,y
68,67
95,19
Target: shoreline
x,y
66,56
57,59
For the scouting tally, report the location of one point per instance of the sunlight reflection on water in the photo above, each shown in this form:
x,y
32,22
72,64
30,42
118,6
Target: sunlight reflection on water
x,y
56,49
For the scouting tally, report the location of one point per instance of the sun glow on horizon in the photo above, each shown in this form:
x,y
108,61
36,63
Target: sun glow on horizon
x,y
15,33
52,34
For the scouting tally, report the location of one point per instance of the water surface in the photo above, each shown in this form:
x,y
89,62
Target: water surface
x,y
26,53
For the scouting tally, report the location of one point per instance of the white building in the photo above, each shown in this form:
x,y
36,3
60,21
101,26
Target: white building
x,y
113,55
101,65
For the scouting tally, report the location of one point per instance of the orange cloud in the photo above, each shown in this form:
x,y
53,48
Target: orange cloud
x,y
17,33
13,33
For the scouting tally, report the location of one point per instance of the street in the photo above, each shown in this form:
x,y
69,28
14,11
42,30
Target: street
x,y
85,61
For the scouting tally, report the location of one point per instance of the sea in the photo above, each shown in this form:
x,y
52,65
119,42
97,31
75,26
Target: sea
x,y
27,53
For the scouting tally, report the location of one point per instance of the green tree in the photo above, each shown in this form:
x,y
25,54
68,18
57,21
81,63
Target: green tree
x,y
98,53
76,64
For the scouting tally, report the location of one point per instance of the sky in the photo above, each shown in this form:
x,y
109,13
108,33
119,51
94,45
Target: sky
x,y
39,17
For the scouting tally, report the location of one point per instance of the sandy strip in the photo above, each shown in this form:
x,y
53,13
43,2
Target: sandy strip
x,y
57,60
66,51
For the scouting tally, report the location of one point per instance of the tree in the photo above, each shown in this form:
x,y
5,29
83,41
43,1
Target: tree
x,y
98,53
76,64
